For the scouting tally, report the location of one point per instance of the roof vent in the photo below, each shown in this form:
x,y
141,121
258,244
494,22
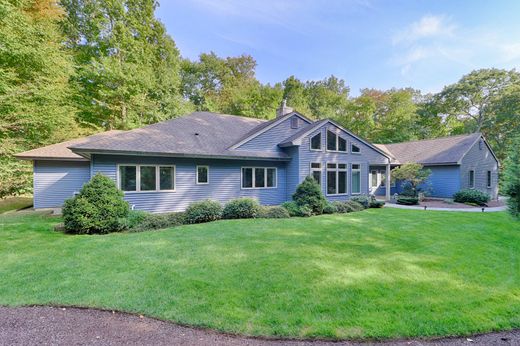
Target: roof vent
x,y
196,133
283,109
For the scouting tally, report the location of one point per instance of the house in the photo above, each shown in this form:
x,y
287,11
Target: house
x,y
456,163
166,166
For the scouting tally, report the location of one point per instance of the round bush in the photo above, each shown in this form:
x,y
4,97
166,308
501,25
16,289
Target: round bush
x,y
309,193
203,211
471,196
330,208
274,213
99,208
241,208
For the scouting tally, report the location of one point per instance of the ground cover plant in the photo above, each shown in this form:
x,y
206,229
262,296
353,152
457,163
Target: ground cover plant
x,y
471,196
382,273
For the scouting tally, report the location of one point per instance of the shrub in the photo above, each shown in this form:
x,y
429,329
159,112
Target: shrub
x,y
157,221
275,212
296,210
241,208
330,208
308,193
376,204
203,211
354,206
99,208
471,196
135,218
363,200
407,200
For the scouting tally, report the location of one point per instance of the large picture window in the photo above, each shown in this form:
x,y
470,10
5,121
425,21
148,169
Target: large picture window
x,y
336,178
258,177
335,142
356,179
144,178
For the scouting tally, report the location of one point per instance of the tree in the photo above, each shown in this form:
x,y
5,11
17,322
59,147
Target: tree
x,y
411,173
128,67
35,98
511,177
309,194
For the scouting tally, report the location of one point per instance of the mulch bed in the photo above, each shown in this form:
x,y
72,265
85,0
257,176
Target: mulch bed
x,y
74,326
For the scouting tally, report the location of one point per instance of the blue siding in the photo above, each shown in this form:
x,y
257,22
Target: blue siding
x,y
268,141
224,182
443,182
55,181
364,158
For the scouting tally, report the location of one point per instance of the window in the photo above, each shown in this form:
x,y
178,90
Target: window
x,y
166,178
373,178
148,176
316,171
335,142
202,175
143,178
356,179
383,178
471,179
488,178
354,149
316,142
128,178
294,122
336,178
258,177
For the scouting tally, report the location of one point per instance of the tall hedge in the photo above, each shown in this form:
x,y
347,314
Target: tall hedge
x,y
99,208
308,193
511,176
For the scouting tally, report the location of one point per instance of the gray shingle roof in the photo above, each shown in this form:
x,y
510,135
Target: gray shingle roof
x,y
60,151
197,134
445,150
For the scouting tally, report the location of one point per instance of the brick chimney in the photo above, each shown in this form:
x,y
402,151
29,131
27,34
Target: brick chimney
x,y
283,109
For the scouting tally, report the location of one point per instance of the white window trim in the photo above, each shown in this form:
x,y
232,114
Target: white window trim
x,y
138,178
489,180
352,151
197,174
352,170
337,169
311,170
321,142
377,178
253,178
471,186
337,142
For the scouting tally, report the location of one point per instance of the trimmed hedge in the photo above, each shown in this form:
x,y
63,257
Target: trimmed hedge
x,y
99,208
471,196
330,208
407,200
275,212
156,221
296,210
363,200
203,211
241,208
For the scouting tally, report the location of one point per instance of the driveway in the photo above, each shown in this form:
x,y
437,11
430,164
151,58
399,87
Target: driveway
x,y
72,326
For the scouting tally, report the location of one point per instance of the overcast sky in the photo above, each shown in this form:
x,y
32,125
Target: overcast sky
x,y
375,44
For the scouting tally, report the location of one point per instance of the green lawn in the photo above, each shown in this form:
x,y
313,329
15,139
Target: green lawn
x,y
374,274
15,203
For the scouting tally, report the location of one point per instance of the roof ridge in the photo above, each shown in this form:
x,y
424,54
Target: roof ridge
x,y
433,139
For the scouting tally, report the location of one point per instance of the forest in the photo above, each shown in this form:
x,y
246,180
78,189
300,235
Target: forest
x,y
72,68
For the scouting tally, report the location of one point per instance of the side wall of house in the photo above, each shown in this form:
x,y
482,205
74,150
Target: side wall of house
x,y
268,141
224,181
480,159
55,181
366,157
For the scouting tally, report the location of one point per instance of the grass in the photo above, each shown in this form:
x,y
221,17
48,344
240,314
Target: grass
x,y
15,203
374,274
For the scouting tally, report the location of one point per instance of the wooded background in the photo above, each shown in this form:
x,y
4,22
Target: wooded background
x,y
76,67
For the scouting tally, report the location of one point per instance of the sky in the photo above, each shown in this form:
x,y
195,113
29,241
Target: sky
x,y
370,44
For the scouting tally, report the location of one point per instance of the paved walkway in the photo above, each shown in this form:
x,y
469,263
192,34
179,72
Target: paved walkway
x,y
70,326
470,210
